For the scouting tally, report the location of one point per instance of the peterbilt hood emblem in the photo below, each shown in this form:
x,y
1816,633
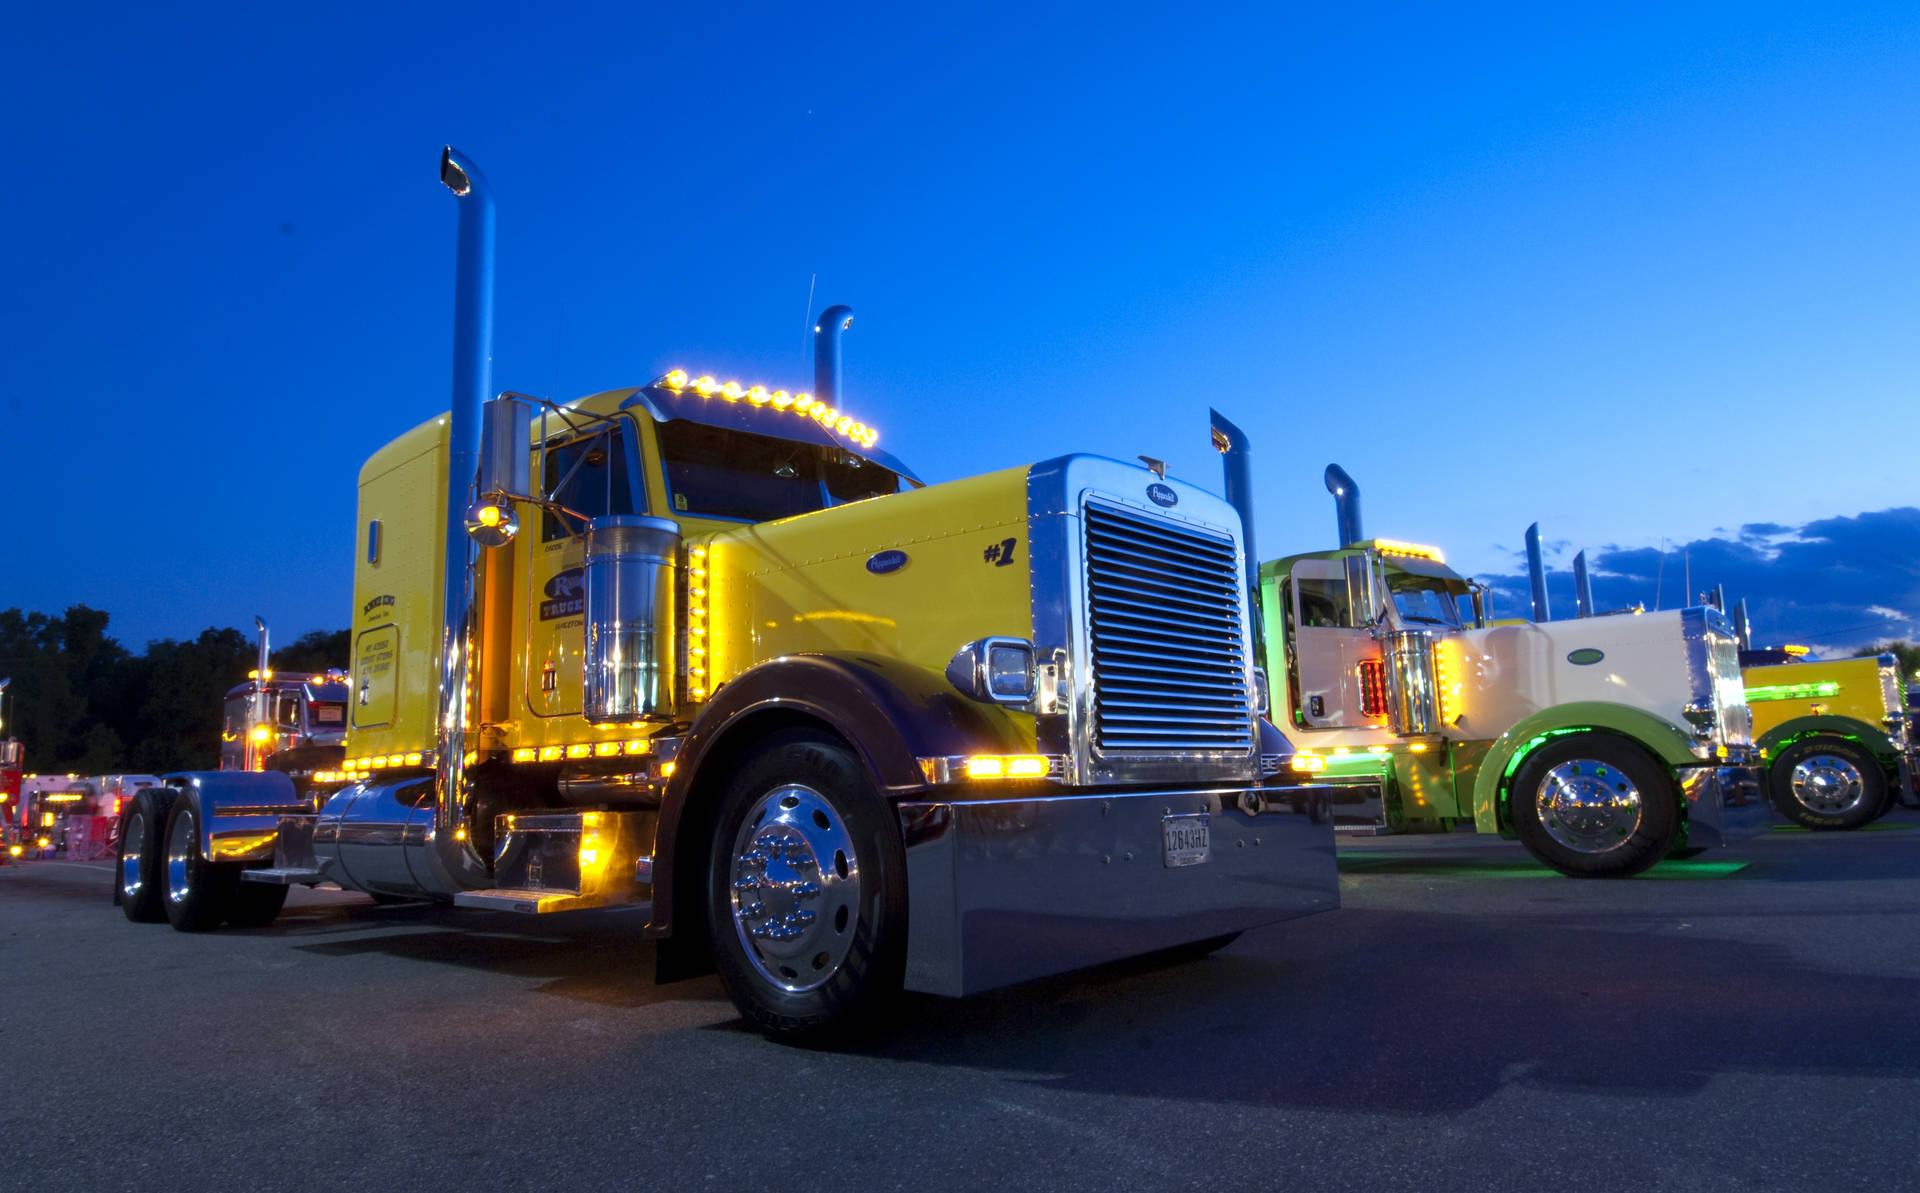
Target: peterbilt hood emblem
x,y
1586,656
1163,495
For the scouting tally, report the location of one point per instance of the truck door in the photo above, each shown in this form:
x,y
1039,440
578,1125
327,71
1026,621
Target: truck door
x,y
590,473
1330,643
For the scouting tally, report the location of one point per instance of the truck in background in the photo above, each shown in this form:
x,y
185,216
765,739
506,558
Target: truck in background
x,y
1603,745
1836,745
843,733
289,722
11,777
1835,734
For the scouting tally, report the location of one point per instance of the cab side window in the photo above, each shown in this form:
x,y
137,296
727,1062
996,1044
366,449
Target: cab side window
x,y
1323,602
235,728
591,476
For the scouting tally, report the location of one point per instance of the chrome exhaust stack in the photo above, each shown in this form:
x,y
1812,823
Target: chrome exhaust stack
x,y
1537,574
455,864
826,352
1582,587
1742,625
1346,510
1346,504
1236,462
250,749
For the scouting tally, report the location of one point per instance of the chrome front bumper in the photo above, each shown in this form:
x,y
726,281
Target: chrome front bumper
x,y
1004,890
1725,804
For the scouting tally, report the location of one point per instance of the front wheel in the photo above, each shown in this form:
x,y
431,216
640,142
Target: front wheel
x,y
807,894
1827,783
1592,806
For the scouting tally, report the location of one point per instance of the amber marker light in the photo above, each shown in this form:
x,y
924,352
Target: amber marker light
x,y
1007,766
551,753
525,754
606,749
1307,762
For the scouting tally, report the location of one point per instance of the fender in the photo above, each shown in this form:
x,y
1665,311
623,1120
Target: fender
x,y
892,714
1657,735
239,810
1787,732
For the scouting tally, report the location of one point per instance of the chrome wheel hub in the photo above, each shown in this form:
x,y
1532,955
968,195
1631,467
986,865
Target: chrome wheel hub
x,y
1827,784
179,852
131,836
795,887
1589,806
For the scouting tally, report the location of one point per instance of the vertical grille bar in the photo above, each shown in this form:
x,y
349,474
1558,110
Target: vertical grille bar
x,y
1169,661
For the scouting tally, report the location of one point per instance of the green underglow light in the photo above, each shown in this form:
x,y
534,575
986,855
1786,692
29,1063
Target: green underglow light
x,y
1792,691
1372,861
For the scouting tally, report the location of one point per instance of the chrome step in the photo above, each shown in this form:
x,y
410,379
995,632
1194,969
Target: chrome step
x,y
537,902
283,876
568,861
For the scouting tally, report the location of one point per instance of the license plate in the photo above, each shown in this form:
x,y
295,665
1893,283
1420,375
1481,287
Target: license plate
x,y
1187,839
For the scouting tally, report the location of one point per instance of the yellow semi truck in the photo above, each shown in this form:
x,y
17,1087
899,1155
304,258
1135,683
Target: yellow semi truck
x,y
706,647
1834,732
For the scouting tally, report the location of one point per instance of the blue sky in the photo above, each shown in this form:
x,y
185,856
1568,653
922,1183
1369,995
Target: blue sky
x,y
1643,274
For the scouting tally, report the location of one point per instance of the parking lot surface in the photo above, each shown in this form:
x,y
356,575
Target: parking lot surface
x,y
1742,1020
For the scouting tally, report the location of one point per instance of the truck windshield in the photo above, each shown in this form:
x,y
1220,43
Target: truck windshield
x,y
715,472
1423,600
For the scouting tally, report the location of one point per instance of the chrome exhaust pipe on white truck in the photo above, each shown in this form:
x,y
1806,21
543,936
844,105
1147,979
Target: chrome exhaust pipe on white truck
x,y
1537,574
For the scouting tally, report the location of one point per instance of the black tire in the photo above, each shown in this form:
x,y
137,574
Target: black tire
x,y
198,894
1821,801
255,904
1597,841
138,879
815,967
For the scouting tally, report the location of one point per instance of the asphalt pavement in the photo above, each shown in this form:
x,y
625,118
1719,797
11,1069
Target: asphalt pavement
x,y
1749,1020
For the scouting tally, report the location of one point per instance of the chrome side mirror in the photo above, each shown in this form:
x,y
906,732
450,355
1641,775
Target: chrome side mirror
x,y
506,439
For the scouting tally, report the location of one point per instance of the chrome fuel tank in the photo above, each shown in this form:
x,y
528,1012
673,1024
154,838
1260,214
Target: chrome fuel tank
x,y
374,837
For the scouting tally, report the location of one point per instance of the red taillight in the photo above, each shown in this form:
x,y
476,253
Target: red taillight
x,y
1373,688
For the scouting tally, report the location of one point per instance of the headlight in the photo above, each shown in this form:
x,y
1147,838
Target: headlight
x,y
994,670
1010,670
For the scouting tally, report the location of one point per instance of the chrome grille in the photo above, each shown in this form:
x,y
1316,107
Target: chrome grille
x,y
1169,661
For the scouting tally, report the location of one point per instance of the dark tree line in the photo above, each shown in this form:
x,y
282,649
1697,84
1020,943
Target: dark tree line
x,y
82,702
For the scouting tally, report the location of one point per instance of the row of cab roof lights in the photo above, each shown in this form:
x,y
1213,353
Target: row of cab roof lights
x,y
1413,550
758,395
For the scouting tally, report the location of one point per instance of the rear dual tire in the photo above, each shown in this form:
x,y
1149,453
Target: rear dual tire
x,y
137,867
163,874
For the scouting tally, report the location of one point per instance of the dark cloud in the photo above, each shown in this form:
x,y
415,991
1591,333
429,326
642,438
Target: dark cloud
x,y
1833,583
